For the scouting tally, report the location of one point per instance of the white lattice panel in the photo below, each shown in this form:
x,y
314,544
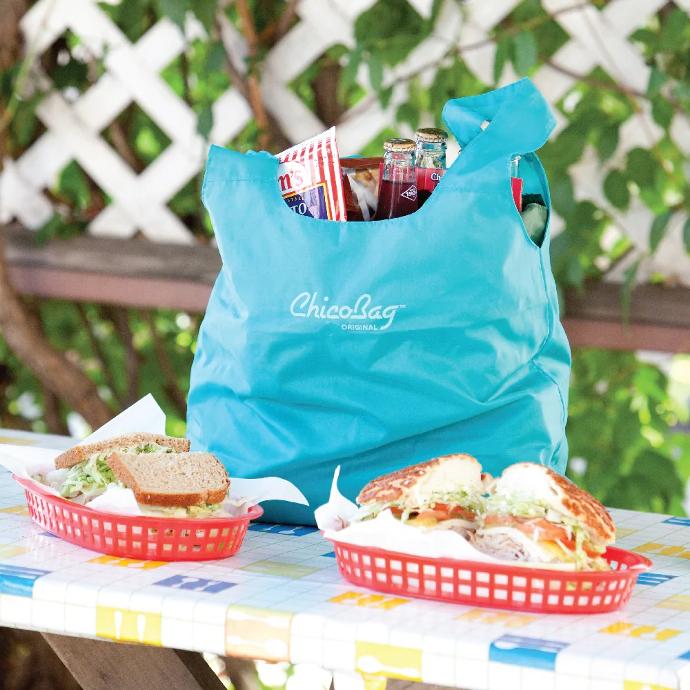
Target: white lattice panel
x,y
598,37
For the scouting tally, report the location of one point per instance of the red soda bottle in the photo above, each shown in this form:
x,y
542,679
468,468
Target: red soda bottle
x,y
397,188
516,181
430,160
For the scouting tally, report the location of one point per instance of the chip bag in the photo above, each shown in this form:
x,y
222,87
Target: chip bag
x,y
310,178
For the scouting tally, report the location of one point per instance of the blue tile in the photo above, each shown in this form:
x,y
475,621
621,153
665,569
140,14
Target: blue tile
x,y
195,584
19,581
526,651
289,530
330,554
654,579
685,521
686,656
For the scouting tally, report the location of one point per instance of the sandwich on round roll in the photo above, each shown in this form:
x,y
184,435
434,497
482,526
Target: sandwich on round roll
x,y
443,493
537,515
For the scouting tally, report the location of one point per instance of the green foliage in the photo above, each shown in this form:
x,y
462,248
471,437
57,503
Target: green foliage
x,y
658,229
524,52
620,424
387,32
616,189
623,420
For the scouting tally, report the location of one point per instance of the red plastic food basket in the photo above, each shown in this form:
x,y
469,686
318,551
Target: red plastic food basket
x,y
137,536
493,585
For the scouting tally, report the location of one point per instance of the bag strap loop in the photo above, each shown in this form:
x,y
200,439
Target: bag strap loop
x,y
519,120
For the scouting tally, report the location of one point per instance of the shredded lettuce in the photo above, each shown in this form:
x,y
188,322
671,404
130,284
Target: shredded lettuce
x,y
515,505
88,477
149,448
472,501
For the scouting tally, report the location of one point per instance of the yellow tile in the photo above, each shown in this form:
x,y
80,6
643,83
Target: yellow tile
x,y
127,563
665,634
372,682
642,632
346,598
257,633
17,441
128,626
624,532
8,550
16,510
620,628
294,571
372,601
637,685
649,547
390,661
678,602
672,550
502,618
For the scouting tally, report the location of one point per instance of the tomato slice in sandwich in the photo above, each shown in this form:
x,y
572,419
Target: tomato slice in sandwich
x,y
441,511
540,529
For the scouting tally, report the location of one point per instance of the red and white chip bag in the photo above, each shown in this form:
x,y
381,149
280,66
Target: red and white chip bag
x,y
310,178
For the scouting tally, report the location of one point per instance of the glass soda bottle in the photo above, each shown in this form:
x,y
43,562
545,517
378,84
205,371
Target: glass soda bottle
x,y
516,181
430,160
397,188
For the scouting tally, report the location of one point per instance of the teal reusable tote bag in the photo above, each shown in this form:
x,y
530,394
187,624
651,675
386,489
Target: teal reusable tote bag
x,y
374,345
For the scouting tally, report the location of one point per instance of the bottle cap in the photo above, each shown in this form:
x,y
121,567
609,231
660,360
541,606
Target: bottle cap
x,y
431,135
399,145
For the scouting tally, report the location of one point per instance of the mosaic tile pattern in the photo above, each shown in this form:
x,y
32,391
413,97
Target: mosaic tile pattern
x,y
281,598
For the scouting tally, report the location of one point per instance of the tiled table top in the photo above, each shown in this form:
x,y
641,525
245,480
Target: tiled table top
x,y
281,598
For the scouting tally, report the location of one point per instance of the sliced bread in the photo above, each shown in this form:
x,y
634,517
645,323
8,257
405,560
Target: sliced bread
x,y
172,479
78,454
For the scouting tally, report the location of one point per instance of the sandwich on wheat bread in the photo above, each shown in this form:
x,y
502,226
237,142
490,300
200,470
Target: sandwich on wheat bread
x,y
142,441
85,473
172,480
537,515
444,493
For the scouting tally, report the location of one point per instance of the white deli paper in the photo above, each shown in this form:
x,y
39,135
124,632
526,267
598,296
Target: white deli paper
x,y
390,534
144,416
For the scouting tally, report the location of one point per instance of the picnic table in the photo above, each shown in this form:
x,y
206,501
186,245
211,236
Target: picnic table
x,y
281,599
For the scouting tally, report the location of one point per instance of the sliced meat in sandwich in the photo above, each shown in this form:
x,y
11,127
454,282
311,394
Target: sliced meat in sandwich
x,y
173,484
537,515
88,473
445,493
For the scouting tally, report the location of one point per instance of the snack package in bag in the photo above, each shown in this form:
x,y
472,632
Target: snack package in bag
x,y
310,178
361,183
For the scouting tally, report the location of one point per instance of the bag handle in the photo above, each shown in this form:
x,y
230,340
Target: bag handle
x,y
519,120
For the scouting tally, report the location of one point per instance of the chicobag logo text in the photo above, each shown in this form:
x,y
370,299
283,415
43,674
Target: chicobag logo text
x,y
363,315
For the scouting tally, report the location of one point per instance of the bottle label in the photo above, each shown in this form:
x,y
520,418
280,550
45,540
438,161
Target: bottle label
x,y
410,193
428,178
